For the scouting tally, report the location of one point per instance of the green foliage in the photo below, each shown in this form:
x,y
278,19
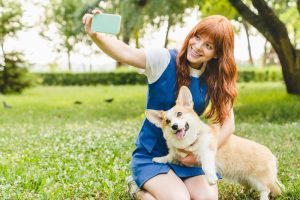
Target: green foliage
x,y
126,78
13,72
14,76
66,15
215,7
264,102
133,77
292,20
259,75
52,148
132,19
132,24
167,11
10,18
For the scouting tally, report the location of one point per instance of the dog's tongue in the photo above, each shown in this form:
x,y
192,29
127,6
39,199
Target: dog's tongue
x,y
180,134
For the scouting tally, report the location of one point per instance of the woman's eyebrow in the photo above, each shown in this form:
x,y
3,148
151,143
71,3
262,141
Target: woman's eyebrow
x,y
210,42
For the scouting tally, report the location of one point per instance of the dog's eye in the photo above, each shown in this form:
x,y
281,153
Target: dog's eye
x,y
179,114
168,121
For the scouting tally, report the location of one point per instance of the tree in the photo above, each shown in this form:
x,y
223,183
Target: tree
x,y
13,67
131,12
246,26
10,16
171,12
268,24
65,15
215,7
132,17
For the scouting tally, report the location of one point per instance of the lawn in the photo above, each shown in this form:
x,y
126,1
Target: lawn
x,y
54,148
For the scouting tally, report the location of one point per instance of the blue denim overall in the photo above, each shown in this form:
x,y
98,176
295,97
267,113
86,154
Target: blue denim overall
x,y
150,142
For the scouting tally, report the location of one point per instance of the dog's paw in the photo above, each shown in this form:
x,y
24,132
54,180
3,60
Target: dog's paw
x,y
159,160
212,179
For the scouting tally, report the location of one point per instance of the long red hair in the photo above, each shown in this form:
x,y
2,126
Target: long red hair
x,y
220,73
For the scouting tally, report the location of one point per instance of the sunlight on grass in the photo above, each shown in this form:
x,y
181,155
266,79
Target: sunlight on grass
x,y
54,148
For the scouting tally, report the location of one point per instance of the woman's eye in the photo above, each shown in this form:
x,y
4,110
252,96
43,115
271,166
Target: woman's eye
x,y
168,121
208,46
179,114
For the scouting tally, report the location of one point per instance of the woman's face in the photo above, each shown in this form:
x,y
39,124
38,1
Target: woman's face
x,y
200,50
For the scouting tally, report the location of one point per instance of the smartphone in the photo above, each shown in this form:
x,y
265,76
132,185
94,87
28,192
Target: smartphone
x,y
106,23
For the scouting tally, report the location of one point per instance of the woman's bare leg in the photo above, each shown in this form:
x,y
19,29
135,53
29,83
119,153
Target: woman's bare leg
x,y
165,187
199,188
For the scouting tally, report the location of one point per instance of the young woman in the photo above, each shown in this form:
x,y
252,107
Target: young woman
x,y
206,65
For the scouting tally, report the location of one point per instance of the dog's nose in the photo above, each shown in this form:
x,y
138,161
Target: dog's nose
x,y
174,127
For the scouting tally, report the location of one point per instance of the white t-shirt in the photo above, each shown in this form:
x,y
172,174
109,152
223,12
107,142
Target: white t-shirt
x,y
157,60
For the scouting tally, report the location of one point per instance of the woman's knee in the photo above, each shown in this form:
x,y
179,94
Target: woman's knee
x,y
199,189
175,195
167,187
208,195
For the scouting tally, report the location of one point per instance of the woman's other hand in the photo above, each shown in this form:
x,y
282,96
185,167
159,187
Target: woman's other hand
x,y
189,160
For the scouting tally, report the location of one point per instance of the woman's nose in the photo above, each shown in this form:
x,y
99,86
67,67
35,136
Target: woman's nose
x,y
199,45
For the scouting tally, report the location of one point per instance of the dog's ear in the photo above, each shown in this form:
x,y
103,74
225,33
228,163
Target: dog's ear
x,y
185,97
155,117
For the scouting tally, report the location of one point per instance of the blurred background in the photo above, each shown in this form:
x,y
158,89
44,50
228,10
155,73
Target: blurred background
x,y
70,114
47,36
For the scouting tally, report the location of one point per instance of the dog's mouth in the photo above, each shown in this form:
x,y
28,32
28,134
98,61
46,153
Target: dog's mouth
x,y
182,132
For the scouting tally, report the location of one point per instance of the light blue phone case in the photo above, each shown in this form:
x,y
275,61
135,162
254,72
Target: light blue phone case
x,y
106,23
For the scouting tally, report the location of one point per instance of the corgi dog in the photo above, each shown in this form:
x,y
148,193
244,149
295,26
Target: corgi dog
x,y
238,159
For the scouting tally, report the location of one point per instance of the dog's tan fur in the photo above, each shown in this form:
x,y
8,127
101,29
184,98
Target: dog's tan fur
x,y
238,159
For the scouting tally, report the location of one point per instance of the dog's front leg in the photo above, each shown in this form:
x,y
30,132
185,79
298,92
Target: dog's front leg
x,y
163,159
207,159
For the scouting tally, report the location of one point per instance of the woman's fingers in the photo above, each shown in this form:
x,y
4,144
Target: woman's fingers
x,y
189,160
87,20
84,18
96,11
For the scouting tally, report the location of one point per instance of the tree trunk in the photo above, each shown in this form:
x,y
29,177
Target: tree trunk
x,y
69,61
291,71
276,33
246,26
295,37
137,41
2,48
264,59
168,30
90,64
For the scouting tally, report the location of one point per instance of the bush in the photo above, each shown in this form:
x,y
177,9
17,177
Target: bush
x,y
128,78
259,75
14,77
134,78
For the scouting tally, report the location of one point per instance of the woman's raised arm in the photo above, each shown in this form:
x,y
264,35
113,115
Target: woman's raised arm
x,y
113,47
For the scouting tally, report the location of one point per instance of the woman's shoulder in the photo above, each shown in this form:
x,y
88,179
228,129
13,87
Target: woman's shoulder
x,y
157,60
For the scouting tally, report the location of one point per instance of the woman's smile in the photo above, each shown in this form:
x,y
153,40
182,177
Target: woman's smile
x,y
200,50
195,53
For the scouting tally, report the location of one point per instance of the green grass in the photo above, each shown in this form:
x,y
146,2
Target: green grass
x,y
51,148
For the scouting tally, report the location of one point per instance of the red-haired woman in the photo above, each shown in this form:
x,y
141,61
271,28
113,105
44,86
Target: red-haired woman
x,y
206,65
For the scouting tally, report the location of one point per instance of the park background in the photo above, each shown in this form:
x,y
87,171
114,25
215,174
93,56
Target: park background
x,y
70,114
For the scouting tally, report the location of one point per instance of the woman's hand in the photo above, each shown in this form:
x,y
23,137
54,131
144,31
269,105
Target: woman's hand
x,y
113,47
189,160
87,22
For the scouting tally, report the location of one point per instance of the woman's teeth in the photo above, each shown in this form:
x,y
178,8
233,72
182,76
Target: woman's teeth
x,y
194,53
